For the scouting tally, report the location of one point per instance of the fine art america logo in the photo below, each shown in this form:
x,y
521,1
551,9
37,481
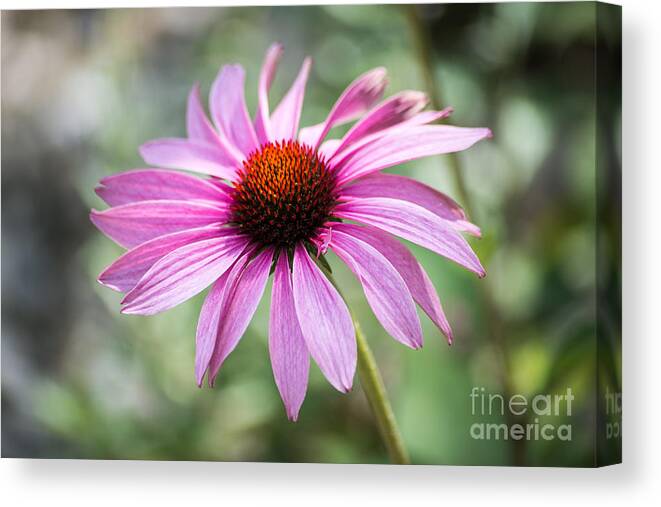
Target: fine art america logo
x,y
517,407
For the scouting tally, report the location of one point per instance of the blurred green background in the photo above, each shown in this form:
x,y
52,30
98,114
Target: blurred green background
x,y
81,90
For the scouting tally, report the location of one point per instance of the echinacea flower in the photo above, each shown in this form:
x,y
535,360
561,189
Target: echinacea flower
x,y
274,199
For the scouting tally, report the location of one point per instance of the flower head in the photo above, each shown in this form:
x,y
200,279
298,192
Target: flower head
x,y
284,193
274,199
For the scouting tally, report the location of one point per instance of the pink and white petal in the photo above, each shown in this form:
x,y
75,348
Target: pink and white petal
x,y
207,324
358,97
198,125
182,274
409,268
189,155
423,118
131,224
229,111
329,147
124,274
290,359
414,223
262,117
325,322
156,184
200,129
392,111
311,135
287,115
385,289
243,290
209,327
407,189
415,142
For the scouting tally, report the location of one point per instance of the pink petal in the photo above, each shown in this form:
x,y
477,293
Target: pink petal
x,y
384,288
207,324
131,224
287,115
415,142
329,147
199,128
354,101
198,125
243,290
156,184
228,108
407,189
312,135
289,355
182,274
325,322
189,155
409,268
124,274
423,118
394,110
262,119
414,223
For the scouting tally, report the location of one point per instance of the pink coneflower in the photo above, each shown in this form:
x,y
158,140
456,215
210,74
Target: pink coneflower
x,y
275,199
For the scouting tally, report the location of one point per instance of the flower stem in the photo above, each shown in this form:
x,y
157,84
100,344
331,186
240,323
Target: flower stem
x,y
423,43
375,390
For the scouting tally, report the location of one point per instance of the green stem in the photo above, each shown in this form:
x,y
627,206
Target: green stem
x,y
423,45
375,389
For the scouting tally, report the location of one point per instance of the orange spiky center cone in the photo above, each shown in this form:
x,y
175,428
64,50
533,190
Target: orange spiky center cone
x,y
283,194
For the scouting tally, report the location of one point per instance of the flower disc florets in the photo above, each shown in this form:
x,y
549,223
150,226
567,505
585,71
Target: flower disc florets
x,y
283,193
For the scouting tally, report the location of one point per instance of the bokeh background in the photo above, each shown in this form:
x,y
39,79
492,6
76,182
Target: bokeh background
x,y
81,90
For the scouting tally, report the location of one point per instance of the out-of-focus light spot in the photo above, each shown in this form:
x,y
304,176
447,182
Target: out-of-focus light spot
x,y
339,55
514,281
500,38
576,258
80,107
524,130
533,361
463,93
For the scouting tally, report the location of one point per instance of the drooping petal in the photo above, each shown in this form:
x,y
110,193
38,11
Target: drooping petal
x,y
189,155
229,111
124,274
407,189
156,184
287,115
325,322
409,268
384,288
415,142
182,274
414,223
262,119
359,96
394,110
130,224
208,322
289,354
243,290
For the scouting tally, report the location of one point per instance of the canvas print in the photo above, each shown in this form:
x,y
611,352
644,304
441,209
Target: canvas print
x,y
338,234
